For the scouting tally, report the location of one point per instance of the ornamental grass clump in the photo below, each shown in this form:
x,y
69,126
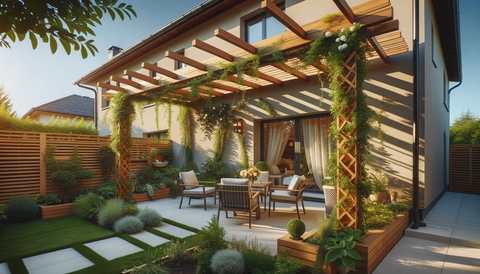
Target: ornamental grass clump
x,y
228,261
150,217
22,209
129,225
111,212
257,258
88,205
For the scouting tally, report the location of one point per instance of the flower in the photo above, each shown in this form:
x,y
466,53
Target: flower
x,y
343,38
352,28
340,47
328,34
337,40
342,30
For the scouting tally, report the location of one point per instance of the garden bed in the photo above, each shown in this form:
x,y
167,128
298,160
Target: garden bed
x,y
159,194
378,242
52,211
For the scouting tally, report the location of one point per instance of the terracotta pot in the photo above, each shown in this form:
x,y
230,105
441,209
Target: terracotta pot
x,y
162,187
329,268
378,197
330,194
344,270
393,197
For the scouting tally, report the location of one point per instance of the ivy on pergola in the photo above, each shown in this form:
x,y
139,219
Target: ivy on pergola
x,y
339,49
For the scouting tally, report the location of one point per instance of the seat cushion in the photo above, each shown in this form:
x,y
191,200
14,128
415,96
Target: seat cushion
x,y
293,185
189,178
263,177
199,191
283,195
234,181
274,170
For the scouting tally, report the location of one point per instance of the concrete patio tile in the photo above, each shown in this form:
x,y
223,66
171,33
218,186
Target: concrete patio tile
x,y
459,268
431,232
60,261
421,246
149,238
432,262
400,268
4,268
173,230
113,248
466,237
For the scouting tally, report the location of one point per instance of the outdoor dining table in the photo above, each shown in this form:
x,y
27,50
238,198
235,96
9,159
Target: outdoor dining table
x,y
265,185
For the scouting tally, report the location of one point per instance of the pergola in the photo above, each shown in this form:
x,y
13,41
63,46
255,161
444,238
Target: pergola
x,y
385,38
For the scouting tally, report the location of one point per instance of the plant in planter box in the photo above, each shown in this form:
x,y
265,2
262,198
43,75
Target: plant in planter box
x,y
153,153
107,159
108,190
40,199
287,265
296,228
52,199
341,250
379,186
167,154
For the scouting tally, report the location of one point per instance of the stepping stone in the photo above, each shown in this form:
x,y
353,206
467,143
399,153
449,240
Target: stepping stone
x,y
113,248
174,230
149,238
60,261
4,268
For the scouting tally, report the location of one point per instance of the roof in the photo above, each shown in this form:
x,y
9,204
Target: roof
x,y
448,21
189,20
75,105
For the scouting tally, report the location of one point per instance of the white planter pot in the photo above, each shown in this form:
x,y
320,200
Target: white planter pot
x,y
330,193
159,164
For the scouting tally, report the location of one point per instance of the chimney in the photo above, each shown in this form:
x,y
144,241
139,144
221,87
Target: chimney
x,y
112,51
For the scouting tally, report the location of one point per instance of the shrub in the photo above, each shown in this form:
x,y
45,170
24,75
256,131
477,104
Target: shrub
x,y
257,257
262,166
130,210
210,240
52,199
397,207
149,190
296,228
40,199
22,209
168,182
108,190
287,265
150,217
145,174
177,253
150,267
228,261
86,206
111,212
128,224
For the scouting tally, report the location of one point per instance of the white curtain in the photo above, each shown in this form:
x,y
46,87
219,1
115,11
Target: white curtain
x,y
318,145
278,134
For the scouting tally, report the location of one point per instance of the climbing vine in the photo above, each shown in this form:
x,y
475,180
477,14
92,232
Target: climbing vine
x,y
268,107
243,151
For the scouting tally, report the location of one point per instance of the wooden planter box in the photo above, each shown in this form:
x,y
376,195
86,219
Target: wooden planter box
x,y
52,211
376,246
160,194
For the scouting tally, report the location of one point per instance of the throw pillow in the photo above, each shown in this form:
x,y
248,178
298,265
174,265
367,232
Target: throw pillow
x,y
234,181
274,170
293,185
189,178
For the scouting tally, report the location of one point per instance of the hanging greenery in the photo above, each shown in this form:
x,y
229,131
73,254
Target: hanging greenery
x,y
185,120
268,107
107,159
243,151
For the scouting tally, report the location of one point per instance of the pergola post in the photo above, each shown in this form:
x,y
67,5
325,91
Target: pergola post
x,y
347,159
124,160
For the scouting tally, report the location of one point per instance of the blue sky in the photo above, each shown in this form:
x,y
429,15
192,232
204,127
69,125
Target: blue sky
x,y
34,77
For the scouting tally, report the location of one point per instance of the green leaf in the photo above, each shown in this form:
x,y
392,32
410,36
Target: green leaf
x,y
112,13
344,253
357,232
349,263
121,5
84,52
348,238
354,254
53,45
45,39
129,7
98,11
66,45
358,238
343,243
11,35
351,244
81,39
120,13
21,36
33,39
332,255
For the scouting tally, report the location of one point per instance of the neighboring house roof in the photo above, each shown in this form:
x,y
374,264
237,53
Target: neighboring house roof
x,y
448,22
189,20
74,105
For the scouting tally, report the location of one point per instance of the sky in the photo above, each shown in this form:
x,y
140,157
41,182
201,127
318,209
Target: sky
x,y
35,77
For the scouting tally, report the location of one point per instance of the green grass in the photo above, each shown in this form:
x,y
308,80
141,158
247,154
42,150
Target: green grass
x,y
40,236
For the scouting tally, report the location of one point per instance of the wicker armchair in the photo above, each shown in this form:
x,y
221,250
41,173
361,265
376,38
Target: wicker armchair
x,y
281,194
238,198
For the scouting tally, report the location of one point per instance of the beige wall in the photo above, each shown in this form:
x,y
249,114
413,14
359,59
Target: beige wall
x,y
388,83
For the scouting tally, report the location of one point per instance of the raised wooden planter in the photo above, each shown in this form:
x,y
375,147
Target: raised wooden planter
x,y
376,246
159,194
52,211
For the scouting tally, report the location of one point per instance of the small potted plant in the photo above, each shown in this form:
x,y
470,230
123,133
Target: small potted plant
x,y
156,163
340,246
296,228
379,187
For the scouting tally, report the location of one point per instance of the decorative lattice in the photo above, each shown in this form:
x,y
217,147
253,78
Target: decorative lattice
x,y
348,172
123,189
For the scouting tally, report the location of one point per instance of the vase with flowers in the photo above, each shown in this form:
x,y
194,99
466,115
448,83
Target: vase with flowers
x,y
252,174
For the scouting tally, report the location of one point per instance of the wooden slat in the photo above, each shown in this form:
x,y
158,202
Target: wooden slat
x,y
160,70
224,87
374,18
185,60
125,81
110,87
346,10
385,28
291,70
211,49
283,18
215,93
234,40
141,76
376,46
246,83
270,78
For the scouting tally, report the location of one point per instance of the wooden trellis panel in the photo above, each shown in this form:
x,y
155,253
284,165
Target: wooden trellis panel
x,y
123,170
347,212
465,169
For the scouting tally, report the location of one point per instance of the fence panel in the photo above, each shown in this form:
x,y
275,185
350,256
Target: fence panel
x,y
22,170
465,169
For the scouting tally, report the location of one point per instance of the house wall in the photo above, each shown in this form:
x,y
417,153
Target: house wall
x,y
389,87
45,118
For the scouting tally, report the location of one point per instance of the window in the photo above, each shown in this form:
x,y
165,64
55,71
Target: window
x,y
158,135
179,65
262,26
105,103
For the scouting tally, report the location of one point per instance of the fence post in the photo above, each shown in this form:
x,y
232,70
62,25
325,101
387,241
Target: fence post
x,y
43,166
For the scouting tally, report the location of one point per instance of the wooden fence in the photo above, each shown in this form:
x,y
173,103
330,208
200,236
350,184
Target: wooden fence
x,y
465,168
23,171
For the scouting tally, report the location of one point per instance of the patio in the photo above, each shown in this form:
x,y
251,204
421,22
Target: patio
x,y
267,229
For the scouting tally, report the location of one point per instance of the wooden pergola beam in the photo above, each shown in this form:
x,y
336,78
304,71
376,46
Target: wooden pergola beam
x,y
272,9
224,87
215,93
346,10
290,70
211,49
160,70
234,40
270,78
246,83
125,81
385,28
110,87
185,60
378,48
141,76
